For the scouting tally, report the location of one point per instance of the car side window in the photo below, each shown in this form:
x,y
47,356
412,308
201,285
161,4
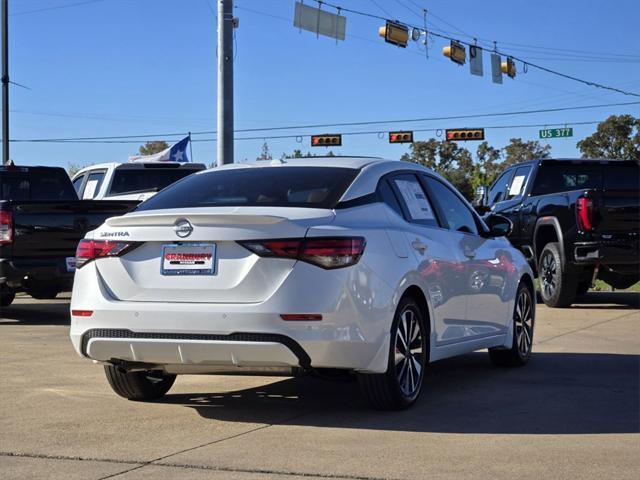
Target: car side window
x,y
414,200
458,216
389,197
519,182
94,182
498,191
77,184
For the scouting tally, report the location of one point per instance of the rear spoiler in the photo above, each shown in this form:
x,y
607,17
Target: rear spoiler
x,y
167,219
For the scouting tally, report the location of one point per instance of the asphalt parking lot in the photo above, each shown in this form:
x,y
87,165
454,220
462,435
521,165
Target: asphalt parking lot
x,y
573,412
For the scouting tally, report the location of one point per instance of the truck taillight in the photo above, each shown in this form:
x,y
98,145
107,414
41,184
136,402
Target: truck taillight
x,y
91,249
6,227
584,207
325,252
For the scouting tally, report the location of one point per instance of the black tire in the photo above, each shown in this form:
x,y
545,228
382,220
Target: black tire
x,y
398,388
139,385
523,329
558,284
7,298
583,287
43,293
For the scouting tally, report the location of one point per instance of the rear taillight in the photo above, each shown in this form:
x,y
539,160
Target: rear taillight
x,y
6,227
325,252
91,249
584,208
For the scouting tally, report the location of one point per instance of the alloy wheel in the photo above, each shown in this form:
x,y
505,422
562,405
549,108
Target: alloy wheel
x,y
549,277
409,353
523,317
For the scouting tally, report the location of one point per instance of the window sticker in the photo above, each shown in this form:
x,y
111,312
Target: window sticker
x,y
90,190
415,199
516,185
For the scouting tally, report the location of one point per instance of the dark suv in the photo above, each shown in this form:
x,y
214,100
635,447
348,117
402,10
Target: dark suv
x,y
575,221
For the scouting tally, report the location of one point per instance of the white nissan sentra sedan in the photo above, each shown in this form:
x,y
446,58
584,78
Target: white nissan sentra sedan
x,y
368,266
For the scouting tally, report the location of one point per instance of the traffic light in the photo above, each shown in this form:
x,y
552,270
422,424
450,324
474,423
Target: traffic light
x,y
401,137
326,140
509,67
395,33
455,52
465,134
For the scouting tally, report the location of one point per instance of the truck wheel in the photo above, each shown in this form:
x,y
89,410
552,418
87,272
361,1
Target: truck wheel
x,y
523,325
43,293
400,386
140,385
558,285
6,298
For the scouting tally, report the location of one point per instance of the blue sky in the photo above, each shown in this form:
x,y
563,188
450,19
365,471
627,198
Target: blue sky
x,y
138,67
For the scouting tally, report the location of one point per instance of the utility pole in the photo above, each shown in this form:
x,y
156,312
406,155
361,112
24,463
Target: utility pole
x,y
225,81
5,82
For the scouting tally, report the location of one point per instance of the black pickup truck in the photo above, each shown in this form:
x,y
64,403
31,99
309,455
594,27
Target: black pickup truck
x,y
41,223
574,220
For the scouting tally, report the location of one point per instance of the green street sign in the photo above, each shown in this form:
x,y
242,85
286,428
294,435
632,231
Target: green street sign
x,y
556,132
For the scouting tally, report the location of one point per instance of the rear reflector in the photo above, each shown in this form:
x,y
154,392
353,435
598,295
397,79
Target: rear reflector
x,y
300,317
81,313
325,252
584,207
91,249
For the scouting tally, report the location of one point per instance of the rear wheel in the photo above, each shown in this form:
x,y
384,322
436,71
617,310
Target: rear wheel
x,y
558,285
6,298
400,385
523,323
139,385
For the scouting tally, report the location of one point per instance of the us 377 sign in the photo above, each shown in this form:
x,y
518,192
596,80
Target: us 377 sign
x,y
556,132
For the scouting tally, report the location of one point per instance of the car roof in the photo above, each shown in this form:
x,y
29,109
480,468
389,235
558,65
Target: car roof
x,y
371,169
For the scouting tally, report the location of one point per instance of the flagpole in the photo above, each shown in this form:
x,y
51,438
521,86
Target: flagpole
x,y
225,82
190,149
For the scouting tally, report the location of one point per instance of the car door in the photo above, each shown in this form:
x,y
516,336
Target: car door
x,y
511,206
484,277
438,266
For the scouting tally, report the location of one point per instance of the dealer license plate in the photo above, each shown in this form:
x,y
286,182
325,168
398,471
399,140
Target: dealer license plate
x,y
188,259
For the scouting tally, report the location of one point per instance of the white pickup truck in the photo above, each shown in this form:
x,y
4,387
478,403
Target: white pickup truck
x,y
129,181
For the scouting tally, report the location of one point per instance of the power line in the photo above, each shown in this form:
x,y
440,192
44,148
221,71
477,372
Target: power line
x,y
299,135
55,7
495,50
339,124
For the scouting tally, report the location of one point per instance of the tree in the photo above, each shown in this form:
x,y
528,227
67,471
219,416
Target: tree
x,y
487,167
155,146
618,137
519,151
297,153
264,153
73,168
446,158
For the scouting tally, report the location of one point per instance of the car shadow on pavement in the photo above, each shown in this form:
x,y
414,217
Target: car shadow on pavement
x,y
40,312
608,300
557,393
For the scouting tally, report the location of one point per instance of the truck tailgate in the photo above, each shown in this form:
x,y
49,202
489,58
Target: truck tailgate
x,y
53,229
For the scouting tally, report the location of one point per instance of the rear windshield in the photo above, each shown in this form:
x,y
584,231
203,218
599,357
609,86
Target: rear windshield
x,y
314,187
564,177
134,180
37,184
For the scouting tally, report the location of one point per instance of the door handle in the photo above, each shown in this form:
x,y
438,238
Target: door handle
x,y
418,245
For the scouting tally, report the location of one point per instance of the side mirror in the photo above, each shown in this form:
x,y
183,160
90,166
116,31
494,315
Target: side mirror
x,y
480,200
499,226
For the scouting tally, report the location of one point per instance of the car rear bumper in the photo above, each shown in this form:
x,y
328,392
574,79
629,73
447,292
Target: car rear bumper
x,y
607,252
353,334
43,273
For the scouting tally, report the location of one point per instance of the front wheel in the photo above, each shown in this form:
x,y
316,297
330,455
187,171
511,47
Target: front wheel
x,y
523,323
400,386
139,385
